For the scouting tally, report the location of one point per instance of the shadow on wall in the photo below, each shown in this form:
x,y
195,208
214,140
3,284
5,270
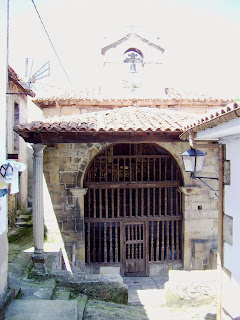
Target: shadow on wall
x,y
53,233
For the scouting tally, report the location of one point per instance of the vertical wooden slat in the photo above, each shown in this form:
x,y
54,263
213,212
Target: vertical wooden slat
x,y
100,203
154,201
105,242
154,169
148,169
130,169
106,203
176,198
157,244
106,169
171,201
118,203
129,238
89,204
94,244
177,240
165,169
124,172
152,243
172,238
100,243
142,202
141,169
136,202
140,237
116,242
112,168
167,242
112,194
136,169
111,247
171,169
165,202
88,243
94,171
118,169
160,202
124,202
148,202
162,240
130,202
94,203
160,169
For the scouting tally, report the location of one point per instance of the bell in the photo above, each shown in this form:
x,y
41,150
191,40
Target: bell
x,y
133,68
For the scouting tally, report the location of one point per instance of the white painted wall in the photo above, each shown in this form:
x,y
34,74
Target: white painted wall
x,y
229,134
3,106
232,208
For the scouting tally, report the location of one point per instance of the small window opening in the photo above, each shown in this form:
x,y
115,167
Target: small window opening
x,y
135,59
16,122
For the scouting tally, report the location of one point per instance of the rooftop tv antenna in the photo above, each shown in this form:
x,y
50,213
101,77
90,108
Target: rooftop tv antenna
x,y
41,73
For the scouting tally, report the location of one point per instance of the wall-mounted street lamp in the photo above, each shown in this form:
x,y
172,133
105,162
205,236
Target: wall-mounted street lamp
x,y
193,160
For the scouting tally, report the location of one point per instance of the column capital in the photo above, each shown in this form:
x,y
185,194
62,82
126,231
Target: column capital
x,y
78,192
38,149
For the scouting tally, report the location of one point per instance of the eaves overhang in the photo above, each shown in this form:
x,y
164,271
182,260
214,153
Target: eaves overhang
x,y
232,111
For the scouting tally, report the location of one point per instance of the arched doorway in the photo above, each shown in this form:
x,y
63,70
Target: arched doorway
x,y
133,211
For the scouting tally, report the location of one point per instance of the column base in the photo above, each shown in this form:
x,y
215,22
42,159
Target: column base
x,y
39,263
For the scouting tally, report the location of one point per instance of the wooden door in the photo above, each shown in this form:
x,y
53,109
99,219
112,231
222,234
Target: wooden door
x,y
134,262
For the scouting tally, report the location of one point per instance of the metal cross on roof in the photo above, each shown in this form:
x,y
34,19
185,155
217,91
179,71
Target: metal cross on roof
x,y
132,27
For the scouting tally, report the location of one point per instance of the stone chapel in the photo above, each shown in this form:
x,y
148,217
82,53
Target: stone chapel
x,y
118,191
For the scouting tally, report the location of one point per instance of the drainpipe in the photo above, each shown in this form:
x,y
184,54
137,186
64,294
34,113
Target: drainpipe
x,y
193,144
220,233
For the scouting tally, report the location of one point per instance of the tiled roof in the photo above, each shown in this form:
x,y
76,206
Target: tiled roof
x,y
127,119
167,94
12,76
212,119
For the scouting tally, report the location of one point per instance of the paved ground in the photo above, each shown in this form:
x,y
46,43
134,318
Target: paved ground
x,y
149,294
40,300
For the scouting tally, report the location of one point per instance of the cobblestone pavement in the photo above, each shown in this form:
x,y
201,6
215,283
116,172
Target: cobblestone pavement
x,y
149,293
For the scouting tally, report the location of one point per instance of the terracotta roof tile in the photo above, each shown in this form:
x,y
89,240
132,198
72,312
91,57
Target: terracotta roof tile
x,y
119,120
213,119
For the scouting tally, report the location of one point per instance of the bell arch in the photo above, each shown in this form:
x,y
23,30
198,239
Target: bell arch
x,y
133,208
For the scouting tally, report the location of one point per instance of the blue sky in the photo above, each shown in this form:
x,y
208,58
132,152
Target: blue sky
x,y
200,39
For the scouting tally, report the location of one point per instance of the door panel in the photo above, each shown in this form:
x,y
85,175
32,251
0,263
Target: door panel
x,y
134,245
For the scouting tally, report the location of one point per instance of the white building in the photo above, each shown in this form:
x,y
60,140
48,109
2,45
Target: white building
x,y
224,127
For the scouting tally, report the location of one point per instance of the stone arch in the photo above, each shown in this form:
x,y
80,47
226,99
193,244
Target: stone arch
x,y
135,183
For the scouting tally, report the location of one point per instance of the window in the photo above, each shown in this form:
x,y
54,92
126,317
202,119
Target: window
x,y
16,121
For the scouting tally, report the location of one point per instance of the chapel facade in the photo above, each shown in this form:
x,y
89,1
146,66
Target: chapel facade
x,y
118,190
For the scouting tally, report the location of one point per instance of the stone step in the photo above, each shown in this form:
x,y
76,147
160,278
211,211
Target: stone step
x,y
24,217
23,224
43,309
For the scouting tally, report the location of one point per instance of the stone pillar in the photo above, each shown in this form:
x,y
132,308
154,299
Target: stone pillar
x,y
79,193
38,213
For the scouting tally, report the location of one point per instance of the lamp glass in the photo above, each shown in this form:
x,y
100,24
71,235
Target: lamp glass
x,y
189,163
193,160
199,163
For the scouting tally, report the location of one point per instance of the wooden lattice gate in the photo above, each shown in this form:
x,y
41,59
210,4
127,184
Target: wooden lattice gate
x,y
133,213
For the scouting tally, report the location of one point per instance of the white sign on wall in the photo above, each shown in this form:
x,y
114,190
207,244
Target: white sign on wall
x,y
3,215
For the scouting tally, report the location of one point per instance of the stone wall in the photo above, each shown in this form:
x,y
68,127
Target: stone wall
x,y
64,168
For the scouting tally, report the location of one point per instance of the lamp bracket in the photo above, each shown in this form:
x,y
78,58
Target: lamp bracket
x,y
193,176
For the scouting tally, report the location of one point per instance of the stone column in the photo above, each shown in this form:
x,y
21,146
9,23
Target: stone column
x,y
38,213
79,193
